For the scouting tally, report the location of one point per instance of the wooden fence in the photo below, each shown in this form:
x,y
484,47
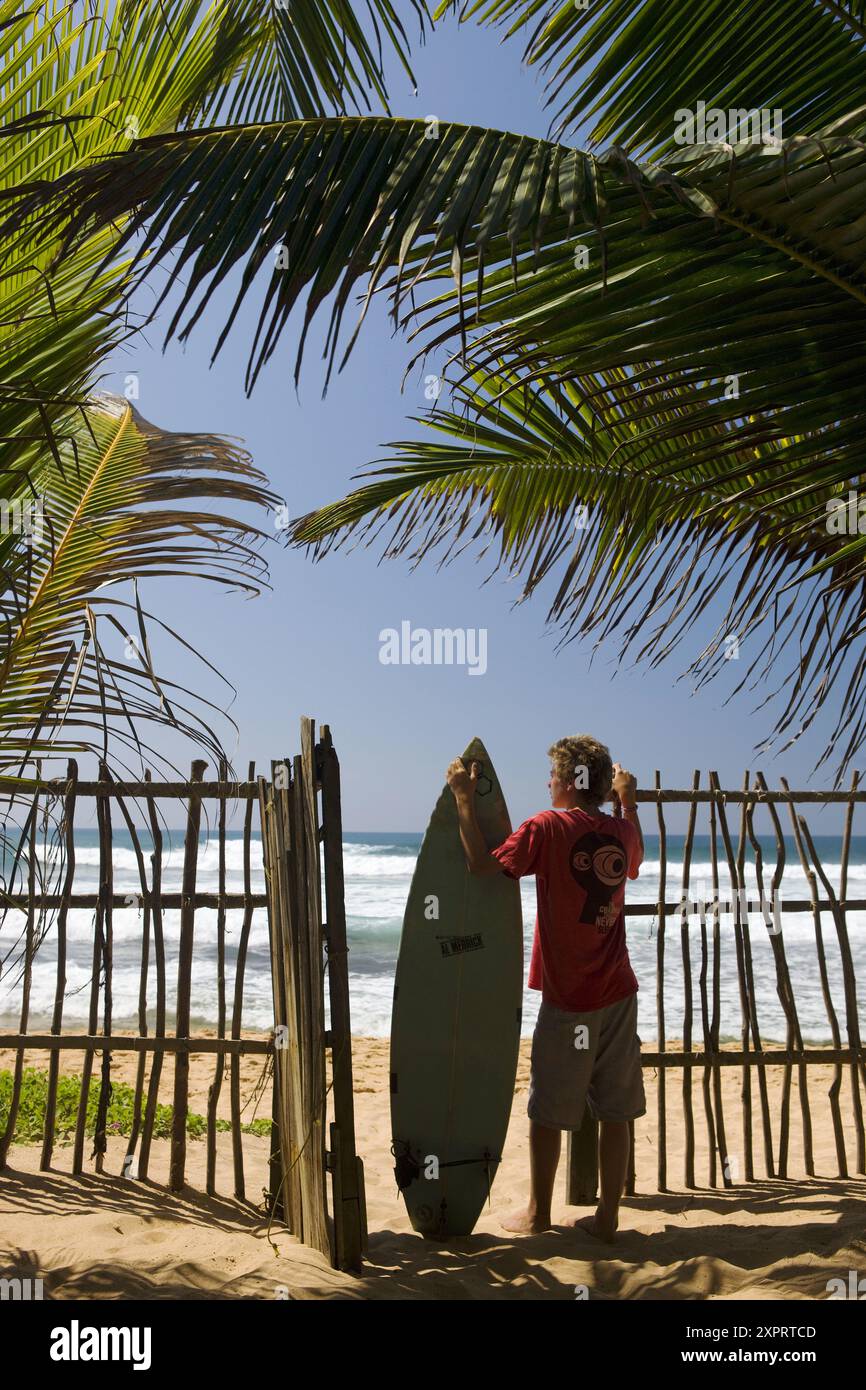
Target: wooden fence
x,y
304,949
733,814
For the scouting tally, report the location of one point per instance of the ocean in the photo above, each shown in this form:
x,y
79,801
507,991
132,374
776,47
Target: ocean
x,y
378,871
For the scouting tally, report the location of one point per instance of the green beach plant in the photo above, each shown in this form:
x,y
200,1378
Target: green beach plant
x,y
119,1118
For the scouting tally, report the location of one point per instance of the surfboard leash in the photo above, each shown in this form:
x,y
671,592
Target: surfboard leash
x,y
407,1168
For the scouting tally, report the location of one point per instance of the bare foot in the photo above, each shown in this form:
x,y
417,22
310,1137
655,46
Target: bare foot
x,y
525,1223
601,1227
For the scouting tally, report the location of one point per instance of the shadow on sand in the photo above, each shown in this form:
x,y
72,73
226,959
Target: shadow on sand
x,y
716,1244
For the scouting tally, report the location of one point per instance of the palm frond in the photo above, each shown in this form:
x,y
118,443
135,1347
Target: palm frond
x,y
708,268
307,60
79,83
690,269
632,65
326,205
751,311
537,481
125,503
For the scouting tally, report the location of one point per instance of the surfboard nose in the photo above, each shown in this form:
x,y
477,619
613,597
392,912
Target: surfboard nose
x,y
476,752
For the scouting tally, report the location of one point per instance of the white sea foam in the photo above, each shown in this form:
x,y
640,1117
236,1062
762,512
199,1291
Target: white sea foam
x,y
377,878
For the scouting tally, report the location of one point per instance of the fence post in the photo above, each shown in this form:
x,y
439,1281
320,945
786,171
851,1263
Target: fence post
x,y
184,983
68,828
581,1181
350,1227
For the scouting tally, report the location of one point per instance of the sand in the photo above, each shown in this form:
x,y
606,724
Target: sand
x,y
107,1237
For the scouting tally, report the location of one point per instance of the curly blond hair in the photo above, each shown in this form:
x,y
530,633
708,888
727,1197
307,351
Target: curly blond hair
x,y
581,759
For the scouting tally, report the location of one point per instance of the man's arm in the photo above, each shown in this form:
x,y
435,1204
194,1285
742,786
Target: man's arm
x,y
478,856
625,786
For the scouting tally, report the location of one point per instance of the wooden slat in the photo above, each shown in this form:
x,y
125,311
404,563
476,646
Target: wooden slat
x,y
629,1172
19,902
97,962
238,1001
348,1201
745,1010
125,1042
233,901
816,1056
145,789
846,850
835,1085
177,1164
294,1114
29,947
852,1025
275,1163
706,1027
363,1205
785,991
660,996
319,1089
688,1115
159,965
581,1159
129,1168
60,985
259,1047
769,923
335,1167
752,995
215,1087
248,791
846,835
296,950
283,1177
715,1021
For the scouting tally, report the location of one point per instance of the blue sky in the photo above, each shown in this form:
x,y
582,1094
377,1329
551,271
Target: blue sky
x,y
311,646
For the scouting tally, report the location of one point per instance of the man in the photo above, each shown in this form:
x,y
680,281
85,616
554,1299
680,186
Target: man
x,y
585,1048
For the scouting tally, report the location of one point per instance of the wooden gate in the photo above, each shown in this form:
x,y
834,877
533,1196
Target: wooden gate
x,y
305,947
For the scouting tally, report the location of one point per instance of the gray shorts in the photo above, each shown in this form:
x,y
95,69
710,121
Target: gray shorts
x,y
586,1058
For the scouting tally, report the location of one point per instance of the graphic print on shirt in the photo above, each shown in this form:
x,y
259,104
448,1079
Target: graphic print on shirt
x,y
598,864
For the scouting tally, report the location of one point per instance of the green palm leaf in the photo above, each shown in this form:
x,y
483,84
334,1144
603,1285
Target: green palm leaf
x,y
691,269
630,65
336,203
78,84
538,482
307,60
699,270
125,502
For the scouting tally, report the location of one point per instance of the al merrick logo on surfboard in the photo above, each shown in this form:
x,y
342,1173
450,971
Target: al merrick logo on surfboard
x,y
456,945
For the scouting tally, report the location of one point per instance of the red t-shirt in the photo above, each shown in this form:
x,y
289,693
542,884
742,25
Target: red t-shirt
x,y
579,955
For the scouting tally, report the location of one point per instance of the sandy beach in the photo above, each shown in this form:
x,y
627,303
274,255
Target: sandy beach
x,y
106,1237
